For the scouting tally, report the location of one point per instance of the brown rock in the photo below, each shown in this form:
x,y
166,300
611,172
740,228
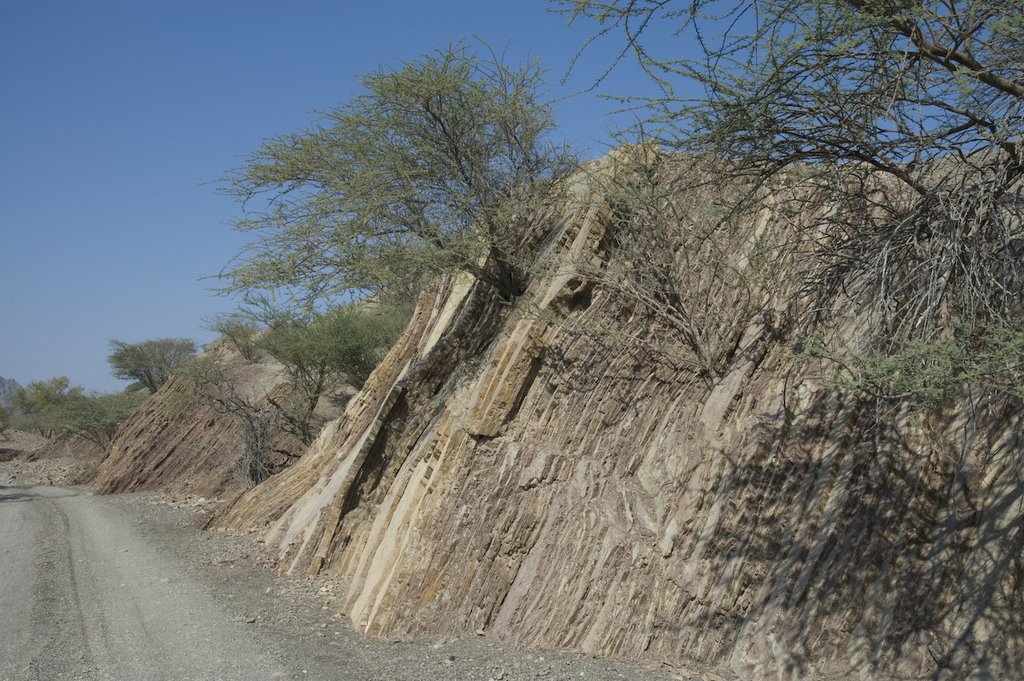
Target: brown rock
x,y
511,474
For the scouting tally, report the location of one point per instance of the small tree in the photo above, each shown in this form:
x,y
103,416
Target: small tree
x,y
5,420
432,168
240,331
97,417
342,346
41,402
149,362
211,381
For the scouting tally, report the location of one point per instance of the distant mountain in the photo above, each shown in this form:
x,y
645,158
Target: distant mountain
x,y
7,388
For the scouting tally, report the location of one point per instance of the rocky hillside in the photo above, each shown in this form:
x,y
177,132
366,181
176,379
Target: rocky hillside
x,y
178,444
573,474
7,388
535,477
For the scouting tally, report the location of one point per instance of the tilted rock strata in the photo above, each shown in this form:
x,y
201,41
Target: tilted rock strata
x,y
507,473
172,445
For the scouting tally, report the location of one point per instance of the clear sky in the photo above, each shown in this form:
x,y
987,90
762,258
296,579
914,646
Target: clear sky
x,y
116,119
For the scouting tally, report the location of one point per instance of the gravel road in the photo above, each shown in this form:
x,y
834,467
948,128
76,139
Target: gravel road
x,y
83,596
127,588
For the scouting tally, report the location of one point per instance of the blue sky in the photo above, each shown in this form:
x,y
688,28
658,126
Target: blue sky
x,y
118,117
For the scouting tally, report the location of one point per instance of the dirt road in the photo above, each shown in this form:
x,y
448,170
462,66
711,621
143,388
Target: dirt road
x,y
84,596
126,588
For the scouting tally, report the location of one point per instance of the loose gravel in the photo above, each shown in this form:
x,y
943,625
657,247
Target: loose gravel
x,y
301,621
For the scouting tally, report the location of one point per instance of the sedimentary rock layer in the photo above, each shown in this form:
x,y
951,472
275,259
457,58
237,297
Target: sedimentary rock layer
x,y
177,443
531,475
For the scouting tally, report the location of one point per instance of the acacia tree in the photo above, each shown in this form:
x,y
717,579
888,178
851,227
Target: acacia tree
x,y
904,116
41,402
149,362
58,409
240,330
340,347
430,169
317,357
96,417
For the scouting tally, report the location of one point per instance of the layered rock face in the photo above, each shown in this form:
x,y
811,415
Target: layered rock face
x,y
176,444
536,475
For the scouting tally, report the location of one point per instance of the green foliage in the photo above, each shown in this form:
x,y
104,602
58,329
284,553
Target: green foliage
x,y
431,169
339,347
55,408
193,379
240,331
149,362
40,402
899,124
927,374
6,419
318,354
891,84
96,417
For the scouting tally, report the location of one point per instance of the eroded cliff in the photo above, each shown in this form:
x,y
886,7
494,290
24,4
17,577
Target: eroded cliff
x,y
537,475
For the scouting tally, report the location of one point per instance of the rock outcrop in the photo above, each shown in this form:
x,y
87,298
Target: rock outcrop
x,y
178,444
77,448
534,475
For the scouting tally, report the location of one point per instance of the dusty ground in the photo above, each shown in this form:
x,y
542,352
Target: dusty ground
x,y
139,563
56,468
61,472
15,442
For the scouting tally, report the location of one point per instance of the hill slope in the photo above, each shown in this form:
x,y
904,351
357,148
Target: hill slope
x,y
175,444
562,476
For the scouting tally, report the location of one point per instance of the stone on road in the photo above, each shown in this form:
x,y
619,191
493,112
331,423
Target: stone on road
x,y
84,596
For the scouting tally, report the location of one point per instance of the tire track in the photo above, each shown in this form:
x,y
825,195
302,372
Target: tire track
x,y
84,596
56,607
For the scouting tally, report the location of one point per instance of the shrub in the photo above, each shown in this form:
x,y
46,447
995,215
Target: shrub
x,y
339,347
96,417
149,362
931,373
240,331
